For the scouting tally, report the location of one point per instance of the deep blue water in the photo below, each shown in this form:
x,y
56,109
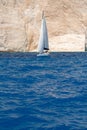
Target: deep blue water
x,y
43,93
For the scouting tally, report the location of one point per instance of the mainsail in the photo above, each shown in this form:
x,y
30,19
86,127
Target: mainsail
x,y
43,41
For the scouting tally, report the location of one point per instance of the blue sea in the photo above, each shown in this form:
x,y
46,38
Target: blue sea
x,y
43,93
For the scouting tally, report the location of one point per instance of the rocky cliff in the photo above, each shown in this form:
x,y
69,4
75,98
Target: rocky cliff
x,y
20,22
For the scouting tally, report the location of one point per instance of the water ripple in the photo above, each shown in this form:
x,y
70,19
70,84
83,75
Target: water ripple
x,y
43,93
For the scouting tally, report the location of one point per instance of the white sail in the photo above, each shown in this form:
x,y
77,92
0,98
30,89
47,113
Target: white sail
x,y
43,41
46,46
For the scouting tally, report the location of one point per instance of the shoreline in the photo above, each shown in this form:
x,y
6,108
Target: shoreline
x,y
62,43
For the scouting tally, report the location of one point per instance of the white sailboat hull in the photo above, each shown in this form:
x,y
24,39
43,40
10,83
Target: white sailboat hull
x,y
43,54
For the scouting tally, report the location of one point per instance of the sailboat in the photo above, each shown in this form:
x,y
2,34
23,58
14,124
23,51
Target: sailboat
x,y
43,45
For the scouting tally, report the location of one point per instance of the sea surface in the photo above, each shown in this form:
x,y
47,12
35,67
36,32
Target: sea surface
x,y
43,93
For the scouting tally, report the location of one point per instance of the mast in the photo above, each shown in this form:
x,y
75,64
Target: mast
x,y
42,14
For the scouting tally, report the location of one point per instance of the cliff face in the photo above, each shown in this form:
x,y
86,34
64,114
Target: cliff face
x,y
20,22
